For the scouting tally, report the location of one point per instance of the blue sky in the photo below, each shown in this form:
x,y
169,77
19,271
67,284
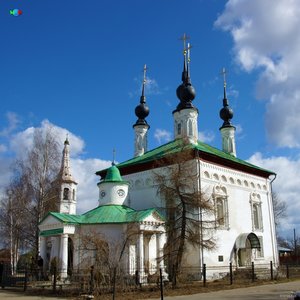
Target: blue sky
x,y
78,66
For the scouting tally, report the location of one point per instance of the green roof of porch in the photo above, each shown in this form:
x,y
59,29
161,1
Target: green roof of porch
x,y
107,214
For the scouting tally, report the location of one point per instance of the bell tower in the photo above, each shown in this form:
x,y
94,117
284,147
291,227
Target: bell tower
x,y
68,186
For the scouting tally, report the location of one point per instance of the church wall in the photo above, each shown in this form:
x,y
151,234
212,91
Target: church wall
x,y
238,188
142,190
240,191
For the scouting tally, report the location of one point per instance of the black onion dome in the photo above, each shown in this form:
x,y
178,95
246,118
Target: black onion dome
x,y
142,110
226,113
185,92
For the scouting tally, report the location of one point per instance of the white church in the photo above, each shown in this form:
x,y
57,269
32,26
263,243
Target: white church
x,y
128,200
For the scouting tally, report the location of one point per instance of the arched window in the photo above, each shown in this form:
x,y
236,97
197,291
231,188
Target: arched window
x,y
255,202
74,194
190,130
66,194
179,128
220,212
221,207
255,217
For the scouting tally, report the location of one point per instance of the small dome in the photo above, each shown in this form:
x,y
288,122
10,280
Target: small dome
x,y
188,93
185,92
226,114
142,111
179,91
113,175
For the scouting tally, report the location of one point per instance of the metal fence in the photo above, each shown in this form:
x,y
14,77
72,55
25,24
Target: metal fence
x,y
99,280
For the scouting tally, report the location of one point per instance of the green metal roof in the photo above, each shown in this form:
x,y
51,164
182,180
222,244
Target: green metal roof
x,y
52,232
113,175
177,146
107,214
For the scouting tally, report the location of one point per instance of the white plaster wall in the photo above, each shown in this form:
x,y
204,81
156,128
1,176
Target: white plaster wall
x,y
142,190
239,186
189,127
109,193
140,141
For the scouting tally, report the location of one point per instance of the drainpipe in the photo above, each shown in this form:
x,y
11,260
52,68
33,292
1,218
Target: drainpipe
x,y
201,252
271,217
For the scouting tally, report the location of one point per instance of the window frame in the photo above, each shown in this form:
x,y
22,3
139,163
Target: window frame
x,y
220,196
256,212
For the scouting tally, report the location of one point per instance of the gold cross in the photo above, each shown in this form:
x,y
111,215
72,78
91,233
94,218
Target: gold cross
x,y
184,38
223,72
144,70
114,155
189,46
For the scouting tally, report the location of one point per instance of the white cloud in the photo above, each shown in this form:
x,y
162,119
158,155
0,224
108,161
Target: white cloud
x,y
5,174
151,87
13,122
266,37
83,170
84,173
206,136
162,135
286,185
22,141
238,129
3,148
232,92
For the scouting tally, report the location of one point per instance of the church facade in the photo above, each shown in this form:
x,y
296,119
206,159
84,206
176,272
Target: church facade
x,y
240,192
112,233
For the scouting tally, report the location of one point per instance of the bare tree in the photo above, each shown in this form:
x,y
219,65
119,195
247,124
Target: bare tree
x,y
189,213
105,255
14,219
280,209
102,251
32,192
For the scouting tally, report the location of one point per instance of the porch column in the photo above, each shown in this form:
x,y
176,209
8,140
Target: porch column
x,y
43,250
141,255
42,247
54,247
76,254
64,255
160,242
